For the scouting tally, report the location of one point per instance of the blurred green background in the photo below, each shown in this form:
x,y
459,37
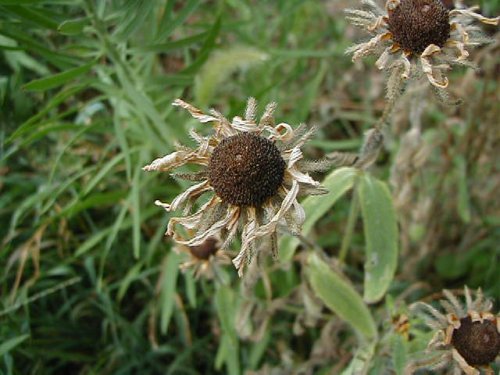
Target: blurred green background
x,y
88,282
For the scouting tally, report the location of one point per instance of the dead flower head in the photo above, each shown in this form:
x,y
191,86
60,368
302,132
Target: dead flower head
x,y
415,37
203,259
253,172
466,337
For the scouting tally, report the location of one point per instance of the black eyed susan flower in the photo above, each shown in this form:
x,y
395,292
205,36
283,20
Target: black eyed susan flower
x,y
203,259
418,37
466,337
253,173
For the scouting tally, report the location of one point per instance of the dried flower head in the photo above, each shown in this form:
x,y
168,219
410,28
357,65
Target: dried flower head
x,y
467,337
255,173
449,4
415,37
204,258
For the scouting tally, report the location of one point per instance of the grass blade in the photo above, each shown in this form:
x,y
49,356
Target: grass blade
x,y
58,79
10,344
169,283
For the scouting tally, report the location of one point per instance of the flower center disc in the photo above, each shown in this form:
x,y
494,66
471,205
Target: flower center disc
x,y
415,24
246,169
478,343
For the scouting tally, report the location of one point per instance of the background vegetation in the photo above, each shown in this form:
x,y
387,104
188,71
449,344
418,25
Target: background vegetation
x,y
89,284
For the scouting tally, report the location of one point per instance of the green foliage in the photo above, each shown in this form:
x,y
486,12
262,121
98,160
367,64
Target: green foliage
x,y
381,232
341,297
89,282
337,183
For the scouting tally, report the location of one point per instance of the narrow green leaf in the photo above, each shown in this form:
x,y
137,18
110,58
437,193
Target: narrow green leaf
x,y
72,27
58,79
225,303
338,183
310,93
134,14
381,236
220,66
10,344
34,15
168,25
131,276
340,297
169,283
94,200
205,50
104,171
35,121
190,288
177,44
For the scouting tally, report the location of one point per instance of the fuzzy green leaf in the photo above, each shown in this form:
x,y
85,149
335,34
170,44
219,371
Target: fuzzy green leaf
x,y
338,183
340,297
381,236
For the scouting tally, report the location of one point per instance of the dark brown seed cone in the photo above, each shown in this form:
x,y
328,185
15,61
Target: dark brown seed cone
x,y
415,24
205,250
246,170
449,4
478,343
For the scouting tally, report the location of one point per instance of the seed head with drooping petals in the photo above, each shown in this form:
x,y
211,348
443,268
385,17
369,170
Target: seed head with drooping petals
x,y
254,172
418,37
466,338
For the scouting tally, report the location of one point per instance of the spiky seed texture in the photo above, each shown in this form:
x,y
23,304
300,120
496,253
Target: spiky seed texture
x,y
246,170
416,24
252,172
477,342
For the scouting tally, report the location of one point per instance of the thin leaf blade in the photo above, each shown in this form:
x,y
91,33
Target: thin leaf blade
x,y
57,79
10,344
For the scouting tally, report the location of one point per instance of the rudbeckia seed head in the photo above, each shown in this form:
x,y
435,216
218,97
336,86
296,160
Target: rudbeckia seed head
x,y
449,4
477,342
415,24
205,250
246,169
